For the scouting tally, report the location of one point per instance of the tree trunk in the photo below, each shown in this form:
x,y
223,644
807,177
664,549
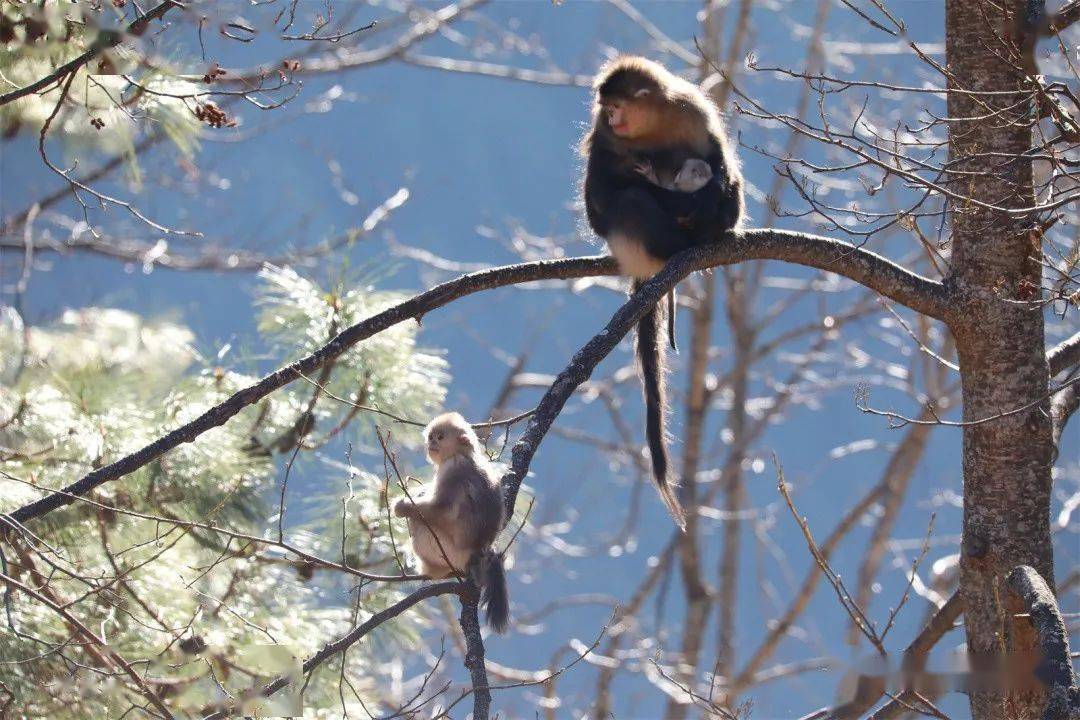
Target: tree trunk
x,y
999,335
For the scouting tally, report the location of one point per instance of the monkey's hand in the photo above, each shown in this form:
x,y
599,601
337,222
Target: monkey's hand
x,y
404,508
645,169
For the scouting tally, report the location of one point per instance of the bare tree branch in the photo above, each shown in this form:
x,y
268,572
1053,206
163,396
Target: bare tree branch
x,y
508,72
915,654
474,645
347,58
338,646
581,366
94,641
212,257
1064,355
779,627
856,263
16,221
1062,407
898,472
415,307
852,261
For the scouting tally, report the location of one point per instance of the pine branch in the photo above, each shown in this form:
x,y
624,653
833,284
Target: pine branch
x,y
105,40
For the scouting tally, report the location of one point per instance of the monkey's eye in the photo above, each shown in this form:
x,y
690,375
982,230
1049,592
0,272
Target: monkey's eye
x,y
438,436
643,92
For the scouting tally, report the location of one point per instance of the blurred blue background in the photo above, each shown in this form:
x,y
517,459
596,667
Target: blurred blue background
x,y
489,160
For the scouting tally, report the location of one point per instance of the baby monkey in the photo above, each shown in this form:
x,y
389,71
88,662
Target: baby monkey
x,y
692,175
459,514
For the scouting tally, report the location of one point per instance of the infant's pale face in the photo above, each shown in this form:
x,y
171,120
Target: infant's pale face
x,y
693,175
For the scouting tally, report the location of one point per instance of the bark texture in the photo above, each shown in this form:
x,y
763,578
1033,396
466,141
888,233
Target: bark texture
x,y
999,335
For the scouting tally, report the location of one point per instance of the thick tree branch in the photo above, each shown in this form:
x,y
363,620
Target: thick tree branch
x,y
1062,407
338,646
1065,402
856,263
853,262
218,415
1064,355
474,646
1055,666
581,367
863,266
106,39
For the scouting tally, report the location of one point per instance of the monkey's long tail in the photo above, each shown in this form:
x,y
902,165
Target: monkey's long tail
x,y
650,354
495,597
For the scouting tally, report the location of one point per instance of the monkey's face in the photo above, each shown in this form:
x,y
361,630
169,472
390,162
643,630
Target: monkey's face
x,y
630,117
445,440
629,102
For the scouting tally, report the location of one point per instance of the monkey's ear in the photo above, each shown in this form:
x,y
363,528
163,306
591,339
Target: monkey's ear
x,y
643,92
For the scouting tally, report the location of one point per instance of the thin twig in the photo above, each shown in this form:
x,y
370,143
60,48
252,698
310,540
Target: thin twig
x,y
106,39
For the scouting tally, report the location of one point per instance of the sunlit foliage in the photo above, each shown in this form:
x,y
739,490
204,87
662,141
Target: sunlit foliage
x,y
195,610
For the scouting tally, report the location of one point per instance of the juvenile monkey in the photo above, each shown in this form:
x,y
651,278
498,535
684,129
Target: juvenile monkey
x,y
460,513
642,112
692,175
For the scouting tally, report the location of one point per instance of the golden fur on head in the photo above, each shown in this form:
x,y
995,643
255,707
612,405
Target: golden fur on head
x,y
635,65
448,435
680,113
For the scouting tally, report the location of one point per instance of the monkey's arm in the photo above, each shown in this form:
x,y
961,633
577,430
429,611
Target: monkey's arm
x,y
620,203
432,509
691,194
704,213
